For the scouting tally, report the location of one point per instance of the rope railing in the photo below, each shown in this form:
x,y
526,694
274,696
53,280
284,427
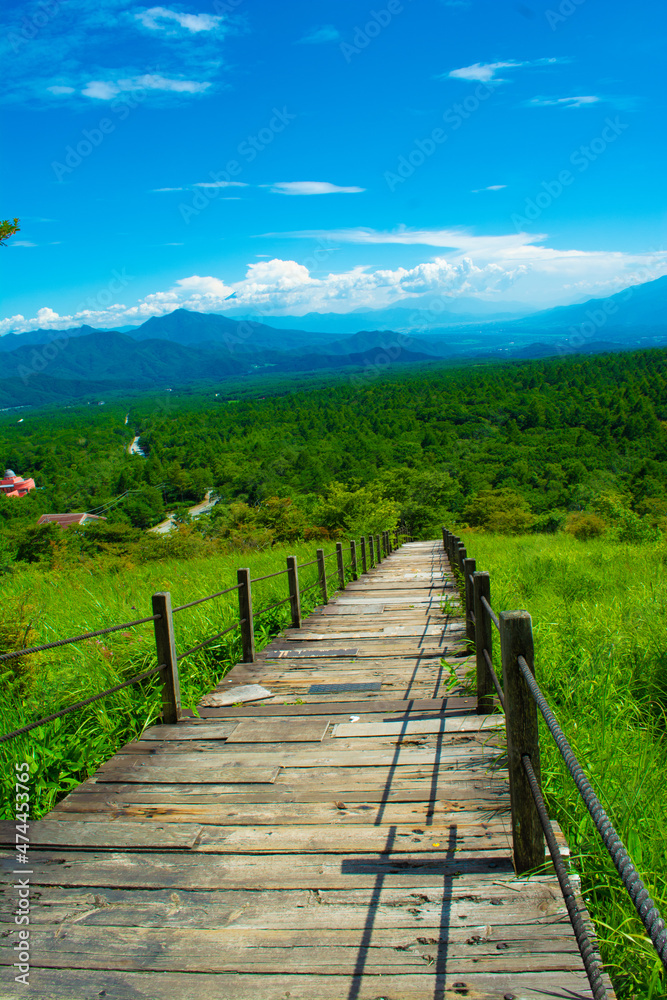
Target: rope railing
x,y
586,949
81,704
646,908
219,635
15,654
167,655
269,576
201,600
530,821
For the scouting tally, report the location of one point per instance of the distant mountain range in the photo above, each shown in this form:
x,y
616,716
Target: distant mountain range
x,y
185,347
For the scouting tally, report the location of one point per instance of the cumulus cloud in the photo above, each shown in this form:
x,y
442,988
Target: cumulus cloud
x,y
326,33
310,187
486,72
163,19
483,267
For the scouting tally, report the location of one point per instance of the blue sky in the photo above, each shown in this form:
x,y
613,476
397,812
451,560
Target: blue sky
x,y
278,159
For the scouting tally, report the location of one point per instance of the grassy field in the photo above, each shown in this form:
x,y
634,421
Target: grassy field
x,y
599,613
39,606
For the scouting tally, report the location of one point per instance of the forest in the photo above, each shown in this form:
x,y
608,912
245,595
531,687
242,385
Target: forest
x,y
578,443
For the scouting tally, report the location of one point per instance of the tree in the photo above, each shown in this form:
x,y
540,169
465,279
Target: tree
x,y
8,229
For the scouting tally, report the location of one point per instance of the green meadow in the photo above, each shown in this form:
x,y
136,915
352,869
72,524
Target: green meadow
x,y
599,612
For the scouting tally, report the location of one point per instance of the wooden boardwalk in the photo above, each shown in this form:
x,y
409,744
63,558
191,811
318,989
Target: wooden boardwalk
x,y
347,840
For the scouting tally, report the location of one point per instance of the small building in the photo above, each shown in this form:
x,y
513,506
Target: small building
x,y
15,486
67,520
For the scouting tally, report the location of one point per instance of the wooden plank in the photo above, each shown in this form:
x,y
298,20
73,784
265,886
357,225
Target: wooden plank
x,y
279,732
119,834
202,770
452,724
381,706
52,984
184,731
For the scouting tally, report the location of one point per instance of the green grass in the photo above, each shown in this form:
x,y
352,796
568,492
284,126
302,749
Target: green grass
x,y
599,614
40,606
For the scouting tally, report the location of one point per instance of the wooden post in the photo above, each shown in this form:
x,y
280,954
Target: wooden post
x,y
371,553
322,575
468,570
353,559
364,561
378,550
516,639
341,565
461,556
294,597
166,653
245,613
483,641
444,537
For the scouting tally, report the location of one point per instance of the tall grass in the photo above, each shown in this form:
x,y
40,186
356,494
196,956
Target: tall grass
x,y
40,606
599,614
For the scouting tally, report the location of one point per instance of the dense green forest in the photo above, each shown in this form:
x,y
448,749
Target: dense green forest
x,y
579,442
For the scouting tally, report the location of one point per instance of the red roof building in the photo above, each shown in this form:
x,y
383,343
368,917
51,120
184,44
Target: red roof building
x,y
67,520
15,486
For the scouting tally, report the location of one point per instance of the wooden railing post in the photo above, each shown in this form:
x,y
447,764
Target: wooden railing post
x,y
245,613
364,561
444,537
468,570
353,559
461,556
516,639
166,653
322,575
341,565
371,553
483,641
378,550
294,597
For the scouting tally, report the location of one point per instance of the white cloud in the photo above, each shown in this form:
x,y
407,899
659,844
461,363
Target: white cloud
x,y
310,187
326,33
486,72
106,90
21,243
220,184
561,102
155,18
483,267
58,90
491,187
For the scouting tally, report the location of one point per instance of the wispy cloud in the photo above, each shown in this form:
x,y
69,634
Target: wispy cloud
x,y
22,243
491,187
107,90
310,187
325,33
561,102
486,72
163,19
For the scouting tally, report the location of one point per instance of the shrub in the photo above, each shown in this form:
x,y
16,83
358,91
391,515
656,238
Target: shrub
x,y
583,526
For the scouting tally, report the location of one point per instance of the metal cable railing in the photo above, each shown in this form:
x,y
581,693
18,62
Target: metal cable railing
x,y
646,908
591,964
278,604
494,678
491,613
201,645
75,638
269,576
201,600
81,704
